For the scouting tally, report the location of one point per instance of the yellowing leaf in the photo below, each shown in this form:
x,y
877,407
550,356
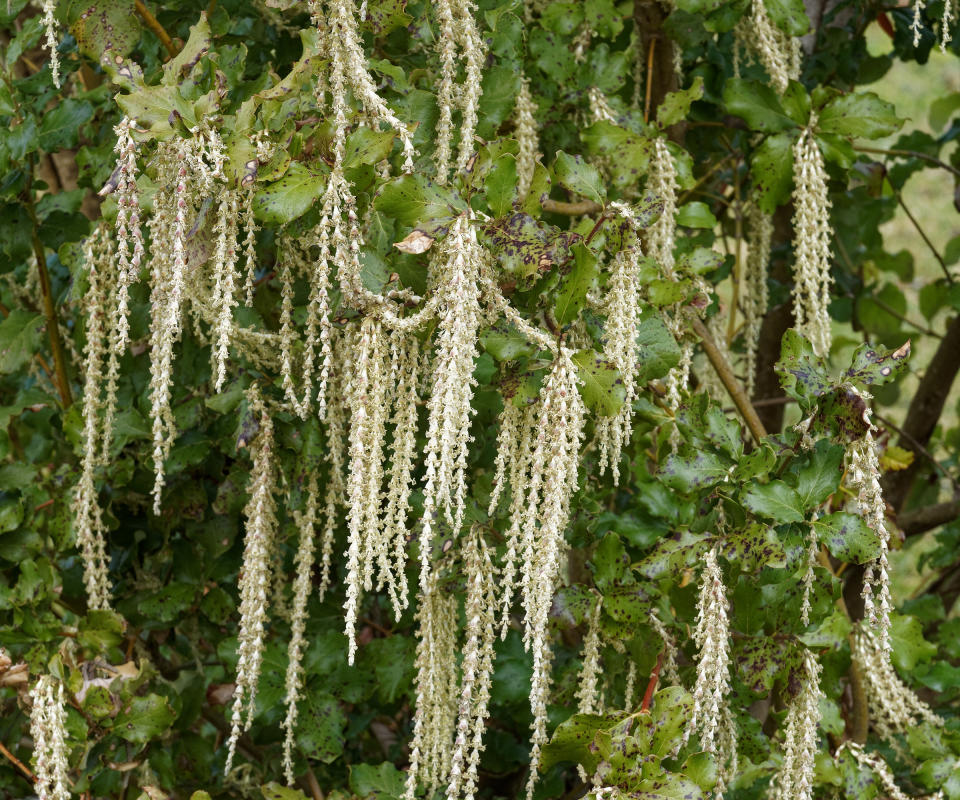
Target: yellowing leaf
x,y
894,459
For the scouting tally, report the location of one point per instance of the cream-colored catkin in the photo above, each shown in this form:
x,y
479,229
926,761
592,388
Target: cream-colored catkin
x,y
553,479
339,30
811,243
337,419
477,668
52,37
668,668
129,235
772,46
456,266
894,707
756,293
225,260
168,266
863,476
435,716
255,576
518,464
874,763
89,527
527,136
405,369
795,777
622,306
306,522
294,261
249,247
48,731
813,548
712,636
368,394
587,694
663,183
951,10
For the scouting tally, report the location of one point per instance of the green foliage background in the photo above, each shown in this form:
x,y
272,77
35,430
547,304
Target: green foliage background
x,y
158,724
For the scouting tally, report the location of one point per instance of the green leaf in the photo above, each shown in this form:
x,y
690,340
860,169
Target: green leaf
x,y
60,127
100,630
290,197
676,105
418,202
663,292
696,215
500,185
790,16
579,176
861,114
847,537
20,337
659,351
320,730
573,741
803,374
197,45
144,718
527,247
366,146
756,103
817,473
106,25
771,167
506,343
611,564
876,365
572,292
630,151
777,501
385,16
689,470
600,383
909,647
277,791
381,781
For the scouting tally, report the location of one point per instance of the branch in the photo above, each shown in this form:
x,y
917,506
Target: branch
x,y
730,382
924,412
571,209
49,308
921,520
910,154
156,27
17,763
860,710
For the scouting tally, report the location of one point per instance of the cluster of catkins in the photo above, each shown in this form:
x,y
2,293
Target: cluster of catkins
x,y
363,379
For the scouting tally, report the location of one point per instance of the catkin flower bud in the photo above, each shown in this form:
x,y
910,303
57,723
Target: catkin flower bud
x,y
801,739
811,243
255,576
49,734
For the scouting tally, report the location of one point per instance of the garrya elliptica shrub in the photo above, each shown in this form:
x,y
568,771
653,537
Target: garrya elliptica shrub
x,y
476,399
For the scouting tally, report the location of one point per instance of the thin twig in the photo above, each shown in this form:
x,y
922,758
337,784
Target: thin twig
x,y
926,239
577,209
910,154
923,451
18,763
646,102
156,27
314,785
737,393
49,308
652,684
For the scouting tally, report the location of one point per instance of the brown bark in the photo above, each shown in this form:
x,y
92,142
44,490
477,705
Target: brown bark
x,y
775,323
924,412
